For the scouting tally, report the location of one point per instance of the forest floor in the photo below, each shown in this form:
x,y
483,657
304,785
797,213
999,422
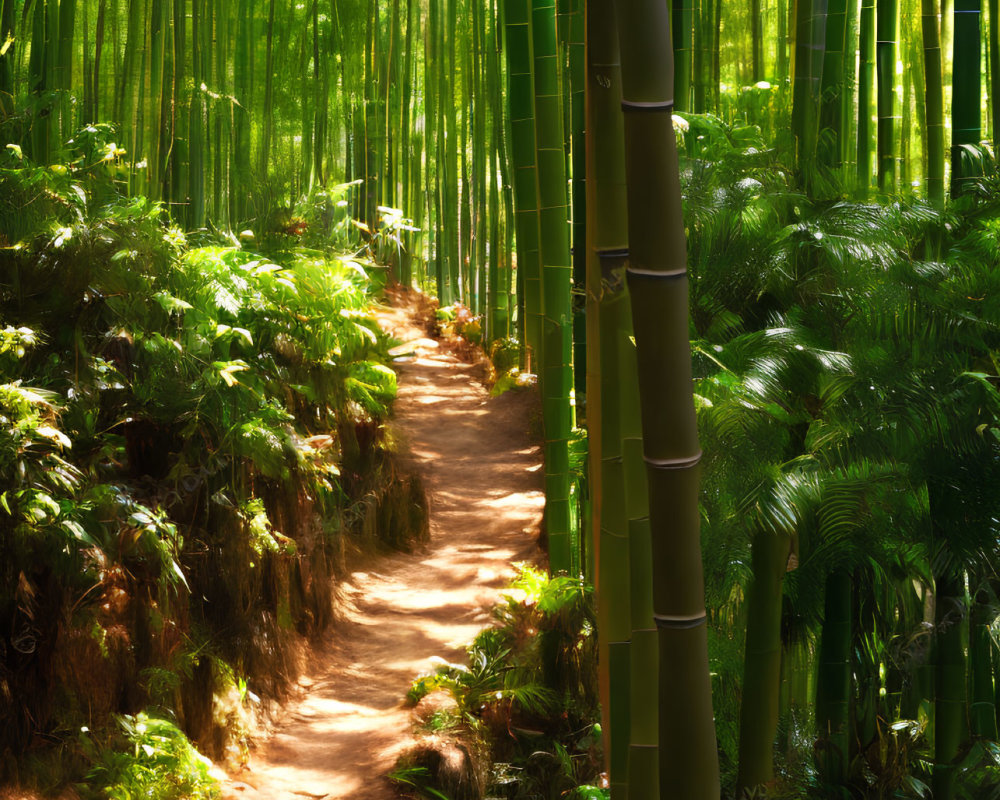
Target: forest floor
x,y
483,473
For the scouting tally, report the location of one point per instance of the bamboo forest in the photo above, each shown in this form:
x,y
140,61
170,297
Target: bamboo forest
x,y
509,399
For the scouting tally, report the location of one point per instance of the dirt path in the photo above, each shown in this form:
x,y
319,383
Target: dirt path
x,y
483,476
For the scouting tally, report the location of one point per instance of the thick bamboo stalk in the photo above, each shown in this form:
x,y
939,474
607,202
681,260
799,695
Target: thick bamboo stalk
x,y
448,90
521,99
701,76
885,53
7,60
781,45
38,81
866,76
756,42
222,188
832,107
577,79
607,239
197,123
762,660
409,155
657,278
64,66
810,41
933,101
966,93
179,146
833,683
157,88
613,545
682,24
556,373
949,680
267,123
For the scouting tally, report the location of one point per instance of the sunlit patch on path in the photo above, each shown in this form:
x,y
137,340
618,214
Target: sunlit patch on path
x,y
483,478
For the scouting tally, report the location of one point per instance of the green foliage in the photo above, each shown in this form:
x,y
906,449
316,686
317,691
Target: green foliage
x,y
846,360
156,761
177,425
529,688
418,778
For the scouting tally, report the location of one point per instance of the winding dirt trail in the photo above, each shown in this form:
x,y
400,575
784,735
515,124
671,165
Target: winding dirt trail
x,y
484,480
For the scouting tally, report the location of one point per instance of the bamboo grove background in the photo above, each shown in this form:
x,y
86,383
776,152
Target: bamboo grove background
x,y
230,112
833,153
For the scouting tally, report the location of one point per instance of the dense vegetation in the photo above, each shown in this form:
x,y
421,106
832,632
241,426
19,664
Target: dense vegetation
x,y
192,445
192,412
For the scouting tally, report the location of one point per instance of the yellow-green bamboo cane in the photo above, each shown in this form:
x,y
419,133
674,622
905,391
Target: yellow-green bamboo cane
x,y
607,249
521,100
556,373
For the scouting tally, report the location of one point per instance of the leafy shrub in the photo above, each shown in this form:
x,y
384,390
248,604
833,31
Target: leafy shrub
x,y
186,436
154,761
529,689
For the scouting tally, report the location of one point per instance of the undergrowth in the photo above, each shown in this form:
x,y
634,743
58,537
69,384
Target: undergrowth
x,y
192,440
519,720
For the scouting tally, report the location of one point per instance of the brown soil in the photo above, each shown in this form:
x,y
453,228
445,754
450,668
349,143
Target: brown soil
x,y
483,475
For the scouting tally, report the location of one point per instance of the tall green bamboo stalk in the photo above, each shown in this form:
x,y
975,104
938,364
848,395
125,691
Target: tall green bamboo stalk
x,y
64,70
38,81
198,127
682,24
756,42
933,100
762,660
810,43
178,193
950,697
833,682
885,52
521,99
8,59
578,204
866,77
556,372
781,45
832,105
607,251
966,93
657,278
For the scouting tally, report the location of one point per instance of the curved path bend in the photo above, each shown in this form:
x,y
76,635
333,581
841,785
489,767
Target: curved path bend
x,y
483,476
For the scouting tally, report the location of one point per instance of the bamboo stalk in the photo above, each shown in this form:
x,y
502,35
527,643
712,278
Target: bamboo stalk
x,y
885,53
966,93
866,76
657,278
556,373
833,684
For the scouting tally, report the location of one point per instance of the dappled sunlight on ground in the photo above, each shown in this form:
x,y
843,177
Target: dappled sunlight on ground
x,y
483,476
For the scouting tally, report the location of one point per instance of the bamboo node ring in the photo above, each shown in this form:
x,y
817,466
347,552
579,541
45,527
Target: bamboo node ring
x,y
656,105
657,273
664,622
673,463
